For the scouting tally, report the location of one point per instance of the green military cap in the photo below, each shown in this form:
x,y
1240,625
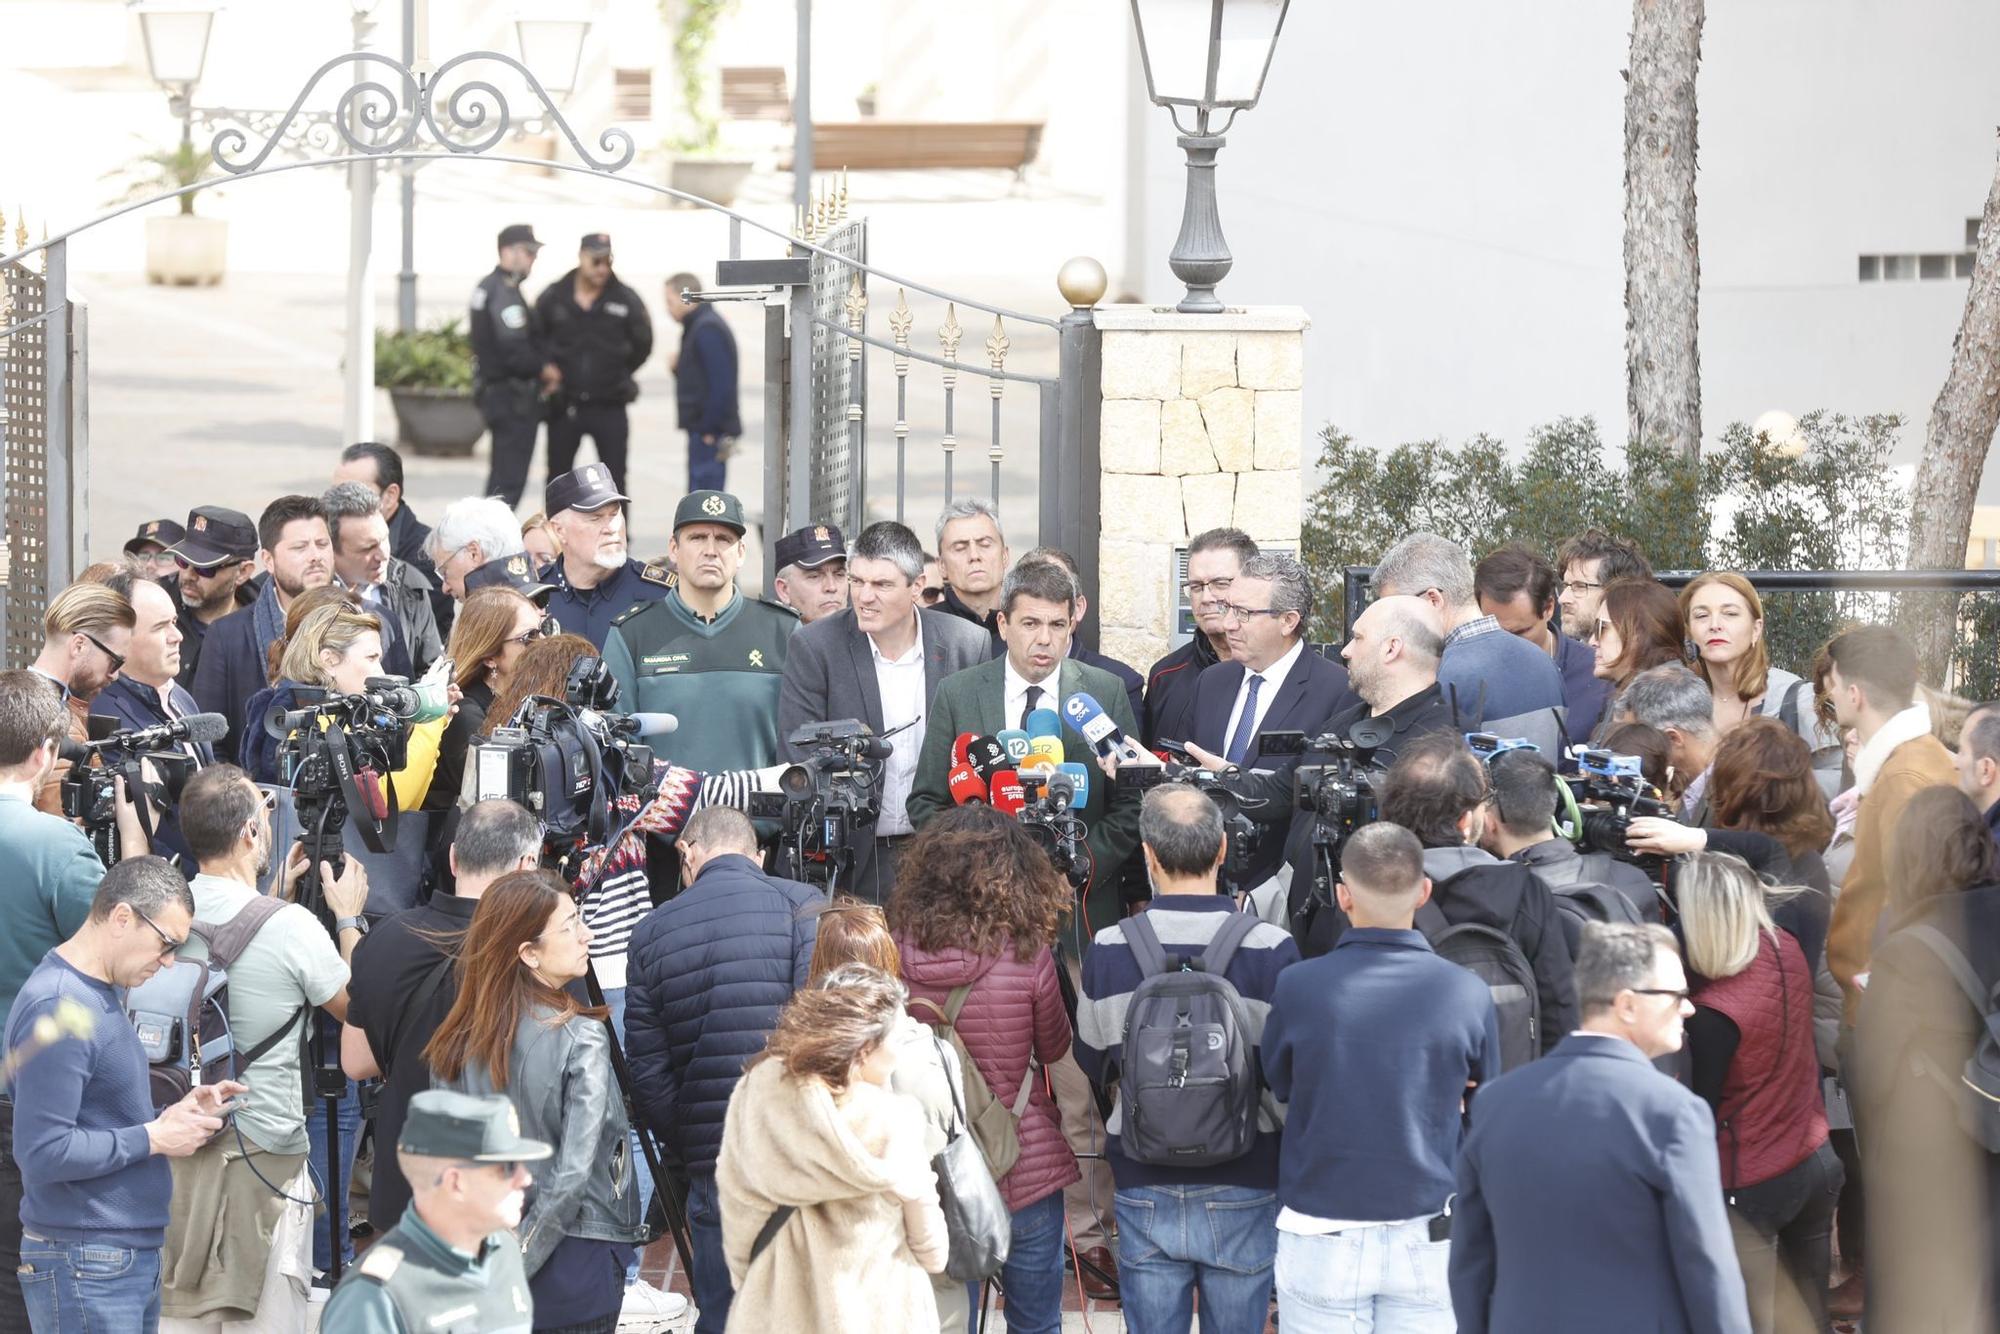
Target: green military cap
x,y
441,1124
710,507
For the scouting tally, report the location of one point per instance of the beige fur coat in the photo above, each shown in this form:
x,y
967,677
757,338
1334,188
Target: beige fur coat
x,y
857,1254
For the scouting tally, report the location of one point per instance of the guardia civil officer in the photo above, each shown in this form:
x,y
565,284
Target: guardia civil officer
x,y
705,653
594,579
512,371
452,1265
598,333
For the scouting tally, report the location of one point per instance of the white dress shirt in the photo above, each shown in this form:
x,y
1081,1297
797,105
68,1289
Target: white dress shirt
x,y
1274,681
901,683
1017,693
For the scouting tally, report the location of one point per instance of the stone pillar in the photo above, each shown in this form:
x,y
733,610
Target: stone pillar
x,y
1202,428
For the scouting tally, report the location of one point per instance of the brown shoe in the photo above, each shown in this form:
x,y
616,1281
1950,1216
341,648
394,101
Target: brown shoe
x,y
1845,1302
1100,1274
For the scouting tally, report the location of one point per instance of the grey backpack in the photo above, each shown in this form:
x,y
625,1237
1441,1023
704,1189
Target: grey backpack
x,y
1188,1084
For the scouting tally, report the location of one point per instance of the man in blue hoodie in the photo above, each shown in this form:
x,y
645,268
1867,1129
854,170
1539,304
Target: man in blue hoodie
x,y
1372,1047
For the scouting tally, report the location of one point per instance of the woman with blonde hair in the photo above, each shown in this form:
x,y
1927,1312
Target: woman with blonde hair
x,y
830,1216
541,540
1753,1059
1725,624
257,750
516,1029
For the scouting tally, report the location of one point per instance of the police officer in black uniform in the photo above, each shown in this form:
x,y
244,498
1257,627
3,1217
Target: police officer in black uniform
x,y
511,371
215,557
594,579
598,333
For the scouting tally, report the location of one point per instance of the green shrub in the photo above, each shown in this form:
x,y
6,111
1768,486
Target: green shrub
x,y
439,358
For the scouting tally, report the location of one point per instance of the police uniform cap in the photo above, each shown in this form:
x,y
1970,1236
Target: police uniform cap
x,y
596,243
811,547
710,507
516,572
214,535
586,488
159,532
470,1127
519,233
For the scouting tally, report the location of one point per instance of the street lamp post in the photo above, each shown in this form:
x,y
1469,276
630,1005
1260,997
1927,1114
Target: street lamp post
x,y
1206,55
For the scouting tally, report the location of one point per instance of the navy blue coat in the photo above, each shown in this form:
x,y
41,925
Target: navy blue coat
x,y
135,705
232,670
1590,1199
1314,690
706,975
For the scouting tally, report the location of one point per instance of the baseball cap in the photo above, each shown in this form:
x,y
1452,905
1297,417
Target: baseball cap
x,y
585,488
596,242
479,1129
214,535
165,532
516,572
809,548
519,233
710,507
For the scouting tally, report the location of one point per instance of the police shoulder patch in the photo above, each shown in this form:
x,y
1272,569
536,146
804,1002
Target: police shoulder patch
x,y
661,575
514,316
479,298
381,1262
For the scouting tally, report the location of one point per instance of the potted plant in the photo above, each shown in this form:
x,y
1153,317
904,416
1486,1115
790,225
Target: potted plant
x,y
182,248
699,166
865,100
428,373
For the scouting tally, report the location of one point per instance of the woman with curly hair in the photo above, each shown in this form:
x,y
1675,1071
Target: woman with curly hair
x,y
830,1216
976,909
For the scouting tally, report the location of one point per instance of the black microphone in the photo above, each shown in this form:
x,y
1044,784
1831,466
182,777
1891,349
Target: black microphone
x,y
200,728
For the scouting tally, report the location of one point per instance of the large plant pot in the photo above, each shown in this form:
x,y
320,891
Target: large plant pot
x,y
186,250
437,422
714,179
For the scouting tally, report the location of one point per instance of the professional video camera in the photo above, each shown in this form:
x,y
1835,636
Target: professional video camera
x,y
89,790
568,760
1050,800
1606,793
336,753
825,798
1245,834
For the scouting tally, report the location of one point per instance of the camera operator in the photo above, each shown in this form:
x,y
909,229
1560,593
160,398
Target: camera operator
x,y
1522,829
404,986
227,1197
1437,790
147,693
1677,703
87,632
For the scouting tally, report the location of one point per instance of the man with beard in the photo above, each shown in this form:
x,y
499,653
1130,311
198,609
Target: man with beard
x,y
594,578
217,563
297,553
705,653
380,469
597,332
87,631
283,968
396,591
147,695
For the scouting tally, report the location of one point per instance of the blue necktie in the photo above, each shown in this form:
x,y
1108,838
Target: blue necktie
x,y
1246,726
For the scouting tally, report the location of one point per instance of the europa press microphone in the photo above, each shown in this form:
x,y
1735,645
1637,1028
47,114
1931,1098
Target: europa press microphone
x,y
1007,793
1088,718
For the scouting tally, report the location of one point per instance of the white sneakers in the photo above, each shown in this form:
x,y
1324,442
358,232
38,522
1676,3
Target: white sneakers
x,y
648,1310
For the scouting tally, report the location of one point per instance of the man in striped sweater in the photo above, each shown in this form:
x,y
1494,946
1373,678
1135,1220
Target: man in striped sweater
x,y
1183,1228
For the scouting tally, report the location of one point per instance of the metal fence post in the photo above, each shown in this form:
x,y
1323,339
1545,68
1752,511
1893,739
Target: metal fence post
x,y
1069,490
776,362
60,497
799,426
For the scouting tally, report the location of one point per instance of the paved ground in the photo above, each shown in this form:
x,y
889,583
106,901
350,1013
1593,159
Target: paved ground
x,y
232,394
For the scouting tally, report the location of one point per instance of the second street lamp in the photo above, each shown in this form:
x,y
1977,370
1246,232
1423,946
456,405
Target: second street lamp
x,y
1205,55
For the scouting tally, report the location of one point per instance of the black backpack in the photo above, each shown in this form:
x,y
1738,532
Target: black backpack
x,y
181,1013
1497,960
1189,1084
1974,1089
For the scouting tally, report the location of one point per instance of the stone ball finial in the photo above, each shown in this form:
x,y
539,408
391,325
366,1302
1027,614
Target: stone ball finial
x,y
1778,432
1082,281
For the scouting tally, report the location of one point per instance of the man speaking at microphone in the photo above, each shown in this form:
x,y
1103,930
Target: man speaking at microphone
x,y
880,660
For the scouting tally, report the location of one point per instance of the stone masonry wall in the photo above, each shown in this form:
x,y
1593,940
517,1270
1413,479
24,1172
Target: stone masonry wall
x,y
1201,429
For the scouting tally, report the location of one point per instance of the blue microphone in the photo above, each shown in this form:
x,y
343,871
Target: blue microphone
x,y
1089,720
1015,742
1079,775
1043,722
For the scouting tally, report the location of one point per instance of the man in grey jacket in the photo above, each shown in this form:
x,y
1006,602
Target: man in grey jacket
x,y
879,662
393,589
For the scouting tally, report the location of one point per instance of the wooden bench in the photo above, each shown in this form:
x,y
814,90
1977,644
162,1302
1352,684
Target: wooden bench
x,y
910,145
756,92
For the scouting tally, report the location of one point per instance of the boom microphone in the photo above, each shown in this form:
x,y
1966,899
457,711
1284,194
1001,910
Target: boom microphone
x,y
965,785
202,729
645,724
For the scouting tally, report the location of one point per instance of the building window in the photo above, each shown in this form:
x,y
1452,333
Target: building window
x,y
1899,268
1871,268
1962,265
631,94
1914,268
1933,266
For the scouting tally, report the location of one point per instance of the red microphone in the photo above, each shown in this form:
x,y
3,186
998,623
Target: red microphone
x,y
959,747
1007,793
965,785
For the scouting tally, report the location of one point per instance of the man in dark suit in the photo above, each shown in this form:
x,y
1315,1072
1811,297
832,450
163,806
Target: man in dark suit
x,y
1135,684
1214,559
1037,607
1589,1191
880,661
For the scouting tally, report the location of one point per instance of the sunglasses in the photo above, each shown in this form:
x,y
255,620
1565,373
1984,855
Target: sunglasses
x,y
117,659
188,566
931,594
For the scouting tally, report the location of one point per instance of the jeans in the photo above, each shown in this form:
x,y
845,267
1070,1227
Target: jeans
x,y
1366,1280
614,1000
710,1280
705,471
1033,1275
73,1287
13,1315
1175,1240
1783,1229
348,1120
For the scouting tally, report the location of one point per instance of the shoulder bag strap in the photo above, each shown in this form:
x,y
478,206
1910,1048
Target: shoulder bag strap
x,y
1955,962
769,1232
227,942
953,1003
1430,918
1222,948
1145,944
957,1100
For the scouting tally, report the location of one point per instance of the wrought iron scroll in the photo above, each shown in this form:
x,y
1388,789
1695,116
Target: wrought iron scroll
x,y
401,109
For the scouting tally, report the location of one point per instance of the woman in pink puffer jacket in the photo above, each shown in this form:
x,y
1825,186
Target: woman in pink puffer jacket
x,y
977,904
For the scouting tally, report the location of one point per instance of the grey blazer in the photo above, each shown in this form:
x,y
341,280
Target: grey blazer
x,y
830,673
